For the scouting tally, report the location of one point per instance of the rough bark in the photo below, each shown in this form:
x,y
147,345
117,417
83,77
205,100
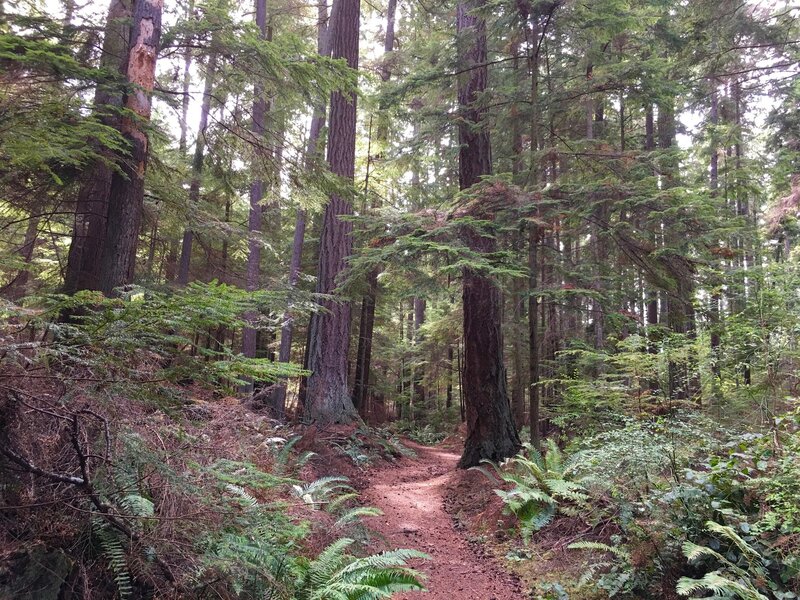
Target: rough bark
x,y
126,196
328,395
17,288
91,209
491,433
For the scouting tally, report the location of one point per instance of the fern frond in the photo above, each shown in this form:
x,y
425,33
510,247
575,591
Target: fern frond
x,y
338,502
242,496
617,551
114,552
355,514
719,585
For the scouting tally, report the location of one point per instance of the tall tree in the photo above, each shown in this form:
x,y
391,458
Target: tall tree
x,y
313,149
491,433
126,196
258,127
91,209
328,395
367,320
197,167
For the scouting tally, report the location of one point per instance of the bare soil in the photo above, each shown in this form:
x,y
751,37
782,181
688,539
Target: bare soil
x,y
413,496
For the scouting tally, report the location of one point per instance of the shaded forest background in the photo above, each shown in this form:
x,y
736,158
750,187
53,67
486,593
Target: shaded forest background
x,y
548,220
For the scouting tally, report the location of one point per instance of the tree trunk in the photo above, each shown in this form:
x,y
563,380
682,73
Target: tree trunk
x,y
126,196
328,395
278,400
17,288
491,433
91,209
197,169
368,301
249,337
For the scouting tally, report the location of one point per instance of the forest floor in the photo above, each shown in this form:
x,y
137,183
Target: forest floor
x,y
417,497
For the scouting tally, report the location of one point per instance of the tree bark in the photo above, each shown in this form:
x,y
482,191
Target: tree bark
x,y
91,209
491,433
368,301
328,397
17,288
126,196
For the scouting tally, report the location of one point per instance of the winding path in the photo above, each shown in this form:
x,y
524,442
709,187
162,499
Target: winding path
x,y
411,497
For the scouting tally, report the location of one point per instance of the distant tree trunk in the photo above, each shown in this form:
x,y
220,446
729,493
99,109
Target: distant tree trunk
x,y
368,301
491,433
197,169
17,288
312,151
126,196
258,126
91,209
419,372
534,404
533,336
715,299
186,84
680,310
328,395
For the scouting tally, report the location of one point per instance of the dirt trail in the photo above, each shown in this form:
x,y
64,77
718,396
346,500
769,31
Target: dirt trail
x,y
411,497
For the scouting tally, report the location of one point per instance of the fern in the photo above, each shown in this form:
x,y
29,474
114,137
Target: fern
x,y
321,490
355,514
541,486
335,575
282,454
617,551
244,498
729,580
113,551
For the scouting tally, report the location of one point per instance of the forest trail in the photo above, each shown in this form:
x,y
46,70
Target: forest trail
x,y
412,497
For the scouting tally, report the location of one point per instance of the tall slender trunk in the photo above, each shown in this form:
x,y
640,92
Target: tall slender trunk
x,y
126,196
368,301
491,433
312,151
253,275
17,288
716,298
197,169
534,408
328,396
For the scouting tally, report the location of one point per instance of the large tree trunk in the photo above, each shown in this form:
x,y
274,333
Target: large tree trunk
x,y
126,196
91,209
491,433
328,396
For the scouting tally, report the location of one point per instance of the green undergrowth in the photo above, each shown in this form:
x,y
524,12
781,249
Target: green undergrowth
x,y
129,471
659,507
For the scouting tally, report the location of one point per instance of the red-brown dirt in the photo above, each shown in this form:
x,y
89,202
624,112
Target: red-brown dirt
x,y
412,498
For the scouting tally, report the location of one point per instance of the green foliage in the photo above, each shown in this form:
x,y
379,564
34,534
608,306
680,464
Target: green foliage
x,y
174,334
113,551
729,580
335,575
542,486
